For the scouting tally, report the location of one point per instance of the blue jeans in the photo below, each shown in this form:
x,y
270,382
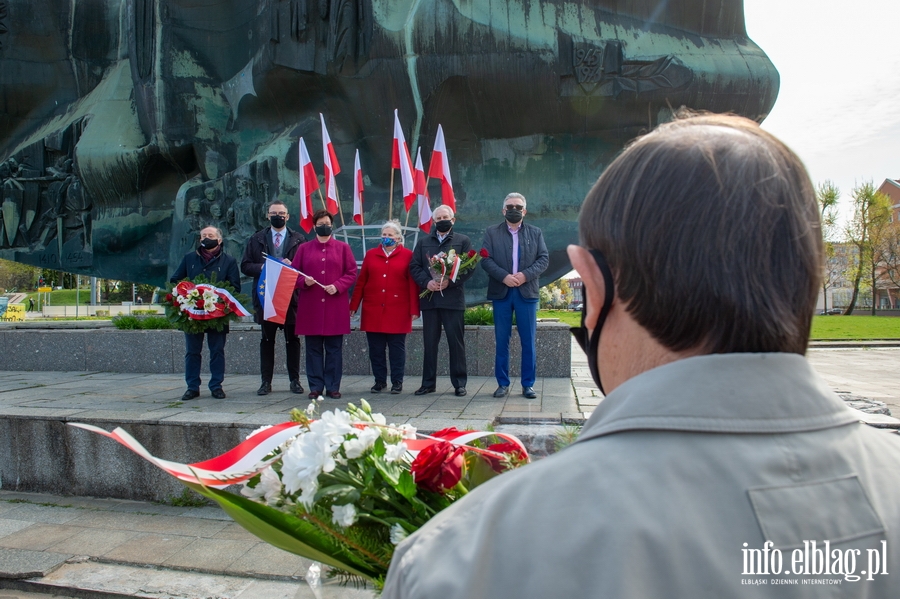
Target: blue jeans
x,y
526,323
192,359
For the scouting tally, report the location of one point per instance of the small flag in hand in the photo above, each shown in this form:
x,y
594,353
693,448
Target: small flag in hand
x,y
278,289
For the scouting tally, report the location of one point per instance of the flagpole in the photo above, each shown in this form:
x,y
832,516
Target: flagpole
x,y
391,196
324,205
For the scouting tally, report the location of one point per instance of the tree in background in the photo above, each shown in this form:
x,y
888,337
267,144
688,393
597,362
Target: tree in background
x,y
890,257
871,214
20,277
827,195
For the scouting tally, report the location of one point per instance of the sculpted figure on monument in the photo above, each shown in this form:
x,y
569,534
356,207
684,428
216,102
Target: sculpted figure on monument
x,y
153,98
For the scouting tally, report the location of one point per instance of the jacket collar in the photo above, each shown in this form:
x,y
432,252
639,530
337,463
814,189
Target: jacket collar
x,y
722,393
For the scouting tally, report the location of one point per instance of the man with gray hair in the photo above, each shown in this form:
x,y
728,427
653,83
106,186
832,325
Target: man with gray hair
x,y
517,255
211,261
446,305
718,458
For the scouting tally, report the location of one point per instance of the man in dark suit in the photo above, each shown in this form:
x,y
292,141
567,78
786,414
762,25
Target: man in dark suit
x,y
446,306
517,255
281,243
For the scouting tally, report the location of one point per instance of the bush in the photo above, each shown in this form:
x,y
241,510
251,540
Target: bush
x,y
144,312
126,322
131,323
479,315
156,322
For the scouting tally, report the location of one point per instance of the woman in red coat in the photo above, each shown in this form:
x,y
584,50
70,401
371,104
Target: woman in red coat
x,y
323,310
390,302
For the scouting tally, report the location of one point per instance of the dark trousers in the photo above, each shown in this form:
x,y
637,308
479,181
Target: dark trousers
x,y
192,359
526,324
267,350
324,362
395,343
453,323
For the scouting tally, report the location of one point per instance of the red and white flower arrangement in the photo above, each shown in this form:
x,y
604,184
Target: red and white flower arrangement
x,y
450,265
196,306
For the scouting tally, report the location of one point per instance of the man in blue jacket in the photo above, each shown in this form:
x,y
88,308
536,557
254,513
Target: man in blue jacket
x,y
211,261
517,255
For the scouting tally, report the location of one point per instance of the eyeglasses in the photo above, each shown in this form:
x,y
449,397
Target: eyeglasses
x,y
514,207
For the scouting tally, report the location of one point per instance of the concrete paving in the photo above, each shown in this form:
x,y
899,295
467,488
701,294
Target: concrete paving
x,y
56,546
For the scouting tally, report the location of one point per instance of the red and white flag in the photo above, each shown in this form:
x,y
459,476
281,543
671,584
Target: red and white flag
x,y
421,187
279,289
357,192
309,183
400,159
440,169
332,168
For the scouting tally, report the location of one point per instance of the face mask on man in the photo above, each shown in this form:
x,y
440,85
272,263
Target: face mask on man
x,y
323,230
277,221
443,225
209,243
514,216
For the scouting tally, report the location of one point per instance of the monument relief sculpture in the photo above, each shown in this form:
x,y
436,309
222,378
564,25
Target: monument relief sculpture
x,y
157,105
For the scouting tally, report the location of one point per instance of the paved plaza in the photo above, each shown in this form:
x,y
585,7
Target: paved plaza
x,y
91,547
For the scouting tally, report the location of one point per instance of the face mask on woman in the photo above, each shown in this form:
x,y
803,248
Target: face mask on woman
x,y
323,230
388,242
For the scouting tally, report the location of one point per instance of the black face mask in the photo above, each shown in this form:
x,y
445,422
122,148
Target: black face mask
x,y
277,221
514,216
589,345
324,230
209,244
443,226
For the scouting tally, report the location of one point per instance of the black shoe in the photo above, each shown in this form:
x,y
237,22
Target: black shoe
x,y
529,393
396,388
190,394
424,390
264,389
502,391
377,387
218,393
334,394
460,392
296,387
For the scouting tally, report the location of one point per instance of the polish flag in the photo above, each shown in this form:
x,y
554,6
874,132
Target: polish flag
x,y
332,168
357,192
400,159
422,193
279,281
440,169
309,183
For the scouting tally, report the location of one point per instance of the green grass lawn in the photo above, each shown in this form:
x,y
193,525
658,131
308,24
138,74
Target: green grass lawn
x,y
824,327
64,297
573,319
855,327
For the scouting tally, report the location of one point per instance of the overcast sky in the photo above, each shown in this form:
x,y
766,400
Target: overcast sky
x,y
839,102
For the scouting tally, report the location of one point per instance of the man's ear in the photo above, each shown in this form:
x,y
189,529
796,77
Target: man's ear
x,y
594,288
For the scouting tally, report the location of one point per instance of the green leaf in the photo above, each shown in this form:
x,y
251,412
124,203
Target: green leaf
x,y
478,470
342,494
287,532
406,485
378,449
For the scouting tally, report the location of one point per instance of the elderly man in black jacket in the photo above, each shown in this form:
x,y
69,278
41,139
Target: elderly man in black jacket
x,y
446,305
281,243
211,261
517,255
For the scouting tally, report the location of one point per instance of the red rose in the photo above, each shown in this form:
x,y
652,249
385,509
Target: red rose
x,y
438,467
484,253
507,447
471,253
200,304
169,298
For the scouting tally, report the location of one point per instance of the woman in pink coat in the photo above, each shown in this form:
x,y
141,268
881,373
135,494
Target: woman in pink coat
x,y
390,302
323,310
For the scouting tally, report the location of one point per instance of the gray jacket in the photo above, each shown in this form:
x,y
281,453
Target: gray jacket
x,y
533,259
677,475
